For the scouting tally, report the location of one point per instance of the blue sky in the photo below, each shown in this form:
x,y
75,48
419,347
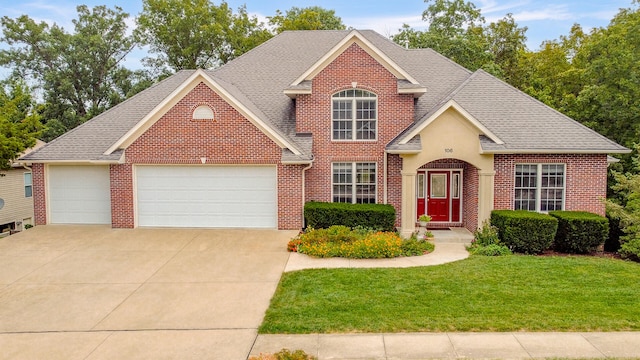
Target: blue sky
x,y
545,19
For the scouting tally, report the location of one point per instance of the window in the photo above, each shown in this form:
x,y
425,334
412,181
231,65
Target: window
x,y
354,109
455,186
358,189
203,112
420,183
539,187
28,185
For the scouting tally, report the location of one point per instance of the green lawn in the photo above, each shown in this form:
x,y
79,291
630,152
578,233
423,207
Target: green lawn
x,y
510,293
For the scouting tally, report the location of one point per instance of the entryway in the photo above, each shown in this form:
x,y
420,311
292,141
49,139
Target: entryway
x,y
439,195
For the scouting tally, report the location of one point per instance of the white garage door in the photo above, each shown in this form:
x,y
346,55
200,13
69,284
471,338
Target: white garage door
x,y
207,196
79,195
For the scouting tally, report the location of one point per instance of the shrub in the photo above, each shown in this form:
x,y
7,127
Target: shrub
x,y
487,243
630,250
414,247
285,354
579,231
359,243
374,216
27,226
525,231
615,232
489,250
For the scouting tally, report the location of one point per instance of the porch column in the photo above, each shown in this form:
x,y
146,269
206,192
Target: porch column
x,y
408,224
485,195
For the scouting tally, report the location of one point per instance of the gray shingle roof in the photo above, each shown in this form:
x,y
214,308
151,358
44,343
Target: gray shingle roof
x,y
258,80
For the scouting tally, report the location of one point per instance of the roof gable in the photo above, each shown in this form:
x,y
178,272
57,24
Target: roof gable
x,y
199,76
357,38
451,104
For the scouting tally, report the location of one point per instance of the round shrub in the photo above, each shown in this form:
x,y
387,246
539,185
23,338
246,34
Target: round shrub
x,y
525,231
630,250
580,232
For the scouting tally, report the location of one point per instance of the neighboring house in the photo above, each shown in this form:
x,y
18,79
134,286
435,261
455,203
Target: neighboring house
x,y
16,196
327,116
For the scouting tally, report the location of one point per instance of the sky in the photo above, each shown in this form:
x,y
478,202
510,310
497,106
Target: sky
x,y
545,19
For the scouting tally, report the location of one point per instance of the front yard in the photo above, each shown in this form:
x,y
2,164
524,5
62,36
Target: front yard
x,y
512,293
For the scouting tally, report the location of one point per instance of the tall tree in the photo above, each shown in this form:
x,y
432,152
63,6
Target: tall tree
x,y
190,34
457,30
309,18
80,73
19,123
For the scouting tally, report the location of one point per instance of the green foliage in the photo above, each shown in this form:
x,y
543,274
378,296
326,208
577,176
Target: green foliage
x,y
340,241
525,231
285,354
580,231
19,123
374,216
631,250
309,18
625,208
457,30
80,73
615,232
186,34
27,226
487,243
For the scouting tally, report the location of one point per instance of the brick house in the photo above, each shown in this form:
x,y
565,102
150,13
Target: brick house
x,y
343,116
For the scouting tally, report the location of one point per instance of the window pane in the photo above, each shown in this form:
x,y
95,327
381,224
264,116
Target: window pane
x,y
28,185
420,189
455,186
366,183
525,187
354,108
438,186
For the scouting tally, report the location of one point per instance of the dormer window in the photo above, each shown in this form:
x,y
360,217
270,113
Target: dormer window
x,y
203,112
354,115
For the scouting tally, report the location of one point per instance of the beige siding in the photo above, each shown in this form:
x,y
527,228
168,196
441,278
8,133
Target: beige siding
x,y
17,207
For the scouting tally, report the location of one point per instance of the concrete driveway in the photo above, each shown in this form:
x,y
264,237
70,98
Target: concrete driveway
x,y
92,292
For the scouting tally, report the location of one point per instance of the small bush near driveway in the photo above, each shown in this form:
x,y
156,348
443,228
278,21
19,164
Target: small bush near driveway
x,y
487,243
359,243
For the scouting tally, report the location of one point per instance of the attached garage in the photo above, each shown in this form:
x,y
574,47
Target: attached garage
x,y
79,195
207,196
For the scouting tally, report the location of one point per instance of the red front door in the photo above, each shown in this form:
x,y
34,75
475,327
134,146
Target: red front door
x,y
438,195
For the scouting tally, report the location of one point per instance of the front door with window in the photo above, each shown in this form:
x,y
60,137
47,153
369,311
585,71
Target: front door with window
x,y
439,195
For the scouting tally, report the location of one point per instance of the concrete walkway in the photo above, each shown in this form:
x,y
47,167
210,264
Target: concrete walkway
x,y
450,246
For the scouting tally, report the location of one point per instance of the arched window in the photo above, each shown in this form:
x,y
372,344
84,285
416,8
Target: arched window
x,y
203,112
354,115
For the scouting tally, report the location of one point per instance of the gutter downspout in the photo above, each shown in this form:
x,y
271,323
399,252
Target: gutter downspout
x,y
384,178
304,191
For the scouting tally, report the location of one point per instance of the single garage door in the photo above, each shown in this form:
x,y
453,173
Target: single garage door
x,y
79,195
207,196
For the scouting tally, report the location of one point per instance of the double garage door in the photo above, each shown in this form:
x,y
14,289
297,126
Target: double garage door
x,y
171,196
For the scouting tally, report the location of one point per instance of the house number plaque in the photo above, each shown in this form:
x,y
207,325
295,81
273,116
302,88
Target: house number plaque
x,y
448,150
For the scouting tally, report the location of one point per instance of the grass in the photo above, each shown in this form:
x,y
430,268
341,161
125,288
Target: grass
x,y
512,293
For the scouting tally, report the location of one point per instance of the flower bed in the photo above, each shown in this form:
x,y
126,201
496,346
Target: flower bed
x,y
341,241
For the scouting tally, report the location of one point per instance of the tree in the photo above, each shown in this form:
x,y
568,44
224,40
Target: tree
x,y
309,18
80,73
457,31
191,34
19,124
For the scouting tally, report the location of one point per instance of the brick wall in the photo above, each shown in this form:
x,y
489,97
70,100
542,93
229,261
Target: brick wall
x,y
313,114
39,195
229,139
122,215
586,179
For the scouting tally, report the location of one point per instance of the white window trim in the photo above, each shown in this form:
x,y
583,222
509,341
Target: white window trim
x,y
24,180
354,120
539,184
354,185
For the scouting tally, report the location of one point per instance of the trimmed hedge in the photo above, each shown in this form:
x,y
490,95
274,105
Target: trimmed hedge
x,y
580,232
322,215
525,231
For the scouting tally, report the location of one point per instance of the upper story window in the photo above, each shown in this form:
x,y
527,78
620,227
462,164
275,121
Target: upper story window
x,y
354,115
539,187
203,112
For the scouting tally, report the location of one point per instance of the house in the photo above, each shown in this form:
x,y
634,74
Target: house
x,y
16,196
344,116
